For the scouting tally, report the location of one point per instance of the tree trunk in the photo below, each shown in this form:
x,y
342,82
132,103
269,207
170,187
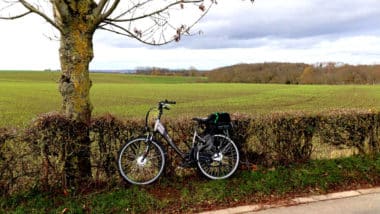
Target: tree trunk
x,y
76,53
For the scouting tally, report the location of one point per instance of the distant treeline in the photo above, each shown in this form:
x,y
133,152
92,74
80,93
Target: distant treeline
x,y
192,72
297,73
283,73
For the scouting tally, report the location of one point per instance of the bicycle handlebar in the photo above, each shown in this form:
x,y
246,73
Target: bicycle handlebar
x,y
161,106
167,102
164,105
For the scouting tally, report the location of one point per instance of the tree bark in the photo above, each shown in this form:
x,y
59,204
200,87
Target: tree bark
x,y
76,53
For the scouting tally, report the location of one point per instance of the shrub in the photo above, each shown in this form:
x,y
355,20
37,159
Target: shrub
x,y
5,135
56,140
283,138
18,170
241,134
107,135
352,128
43,156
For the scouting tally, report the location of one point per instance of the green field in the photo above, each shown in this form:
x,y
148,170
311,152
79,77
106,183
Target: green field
x,y
23,95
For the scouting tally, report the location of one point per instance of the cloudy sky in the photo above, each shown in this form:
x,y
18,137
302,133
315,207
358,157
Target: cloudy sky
x,y
233,32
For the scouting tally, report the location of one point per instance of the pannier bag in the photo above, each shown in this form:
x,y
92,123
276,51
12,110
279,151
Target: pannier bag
x,y
218,122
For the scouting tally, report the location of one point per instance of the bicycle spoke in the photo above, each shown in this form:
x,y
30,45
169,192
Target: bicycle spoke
x,y
227,148
134,149
155,156
224,158
141,162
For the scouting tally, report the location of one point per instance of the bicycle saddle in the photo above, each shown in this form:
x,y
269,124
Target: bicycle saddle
x,y
200,119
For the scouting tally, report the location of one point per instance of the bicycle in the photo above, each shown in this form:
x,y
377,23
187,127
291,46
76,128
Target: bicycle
x,y
141,161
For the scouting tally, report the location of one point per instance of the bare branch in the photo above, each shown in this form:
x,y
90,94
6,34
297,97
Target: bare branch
x,y
125,32
110,10
118,18
60,10
201,17
33,9
156,27
17,16
100,7
140,4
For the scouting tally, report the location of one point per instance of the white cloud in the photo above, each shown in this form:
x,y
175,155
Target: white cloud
x,y
234,32
24,44
353,50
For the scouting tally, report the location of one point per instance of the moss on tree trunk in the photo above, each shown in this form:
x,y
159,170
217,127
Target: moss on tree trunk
x,y
76,53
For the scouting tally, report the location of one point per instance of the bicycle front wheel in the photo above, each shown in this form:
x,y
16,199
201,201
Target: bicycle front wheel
x,y
219,158
141,162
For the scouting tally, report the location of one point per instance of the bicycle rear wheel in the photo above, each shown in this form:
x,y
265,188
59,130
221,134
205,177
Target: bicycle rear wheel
x,y
220,159
141,162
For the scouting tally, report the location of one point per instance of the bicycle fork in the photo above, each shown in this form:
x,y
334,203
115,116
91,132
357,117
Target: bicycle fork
x,y
141,160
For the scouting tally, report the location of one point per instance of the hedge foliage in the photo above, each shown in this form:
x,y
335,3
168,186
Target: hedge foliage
x,y
37,157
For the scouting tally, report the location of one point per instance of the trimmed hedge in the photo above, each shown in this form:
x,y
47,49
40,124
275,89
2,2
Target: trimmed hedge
x,y
283,138
5,135
55,139
37,157
359,129
17,163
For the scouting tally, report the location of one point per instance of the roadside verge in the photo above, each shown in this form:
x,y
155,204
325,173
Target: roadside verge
x,y
296,201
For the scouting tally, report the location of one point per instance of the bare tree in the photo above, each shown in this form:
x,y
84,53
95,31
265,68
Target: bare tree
x,y
153,22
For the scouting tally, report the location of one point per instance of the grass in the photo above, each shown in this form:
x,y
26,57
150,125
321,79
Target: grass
x,y
180,195
24,95
117,201
53,77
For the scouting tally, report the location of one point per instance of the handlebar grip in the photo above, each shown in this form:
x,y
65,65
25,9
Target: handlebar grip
x,y
170,102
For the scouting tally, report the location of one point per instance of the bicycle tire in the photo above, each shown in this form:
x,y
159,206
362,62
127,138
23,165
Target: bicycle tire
x,y
219,160
136,161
